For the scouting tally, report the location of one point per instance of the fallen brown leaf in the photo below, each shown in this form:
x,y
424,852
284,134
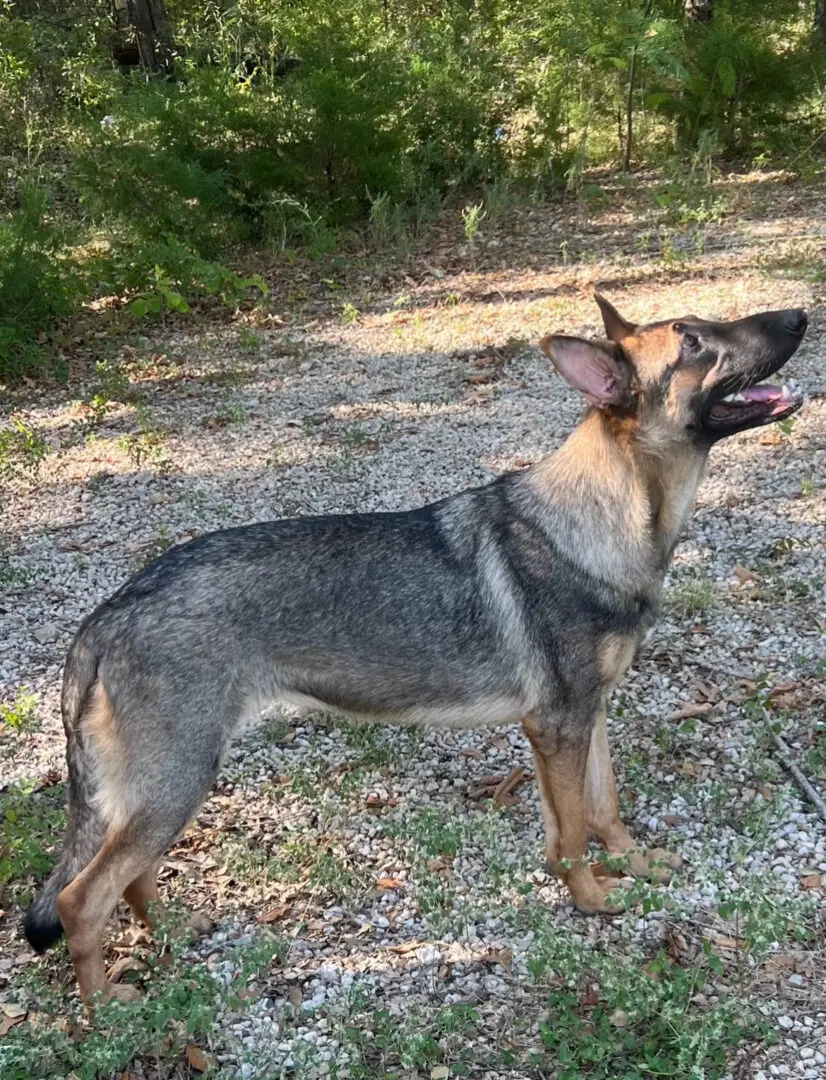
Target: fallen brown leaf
x,y
389,883
197,1059
676,945
295,997
406,947
439,865
8,1022
723,942
745,576
508,785
502,957
812,881
275,914
673,819
691,708
120,967
589,996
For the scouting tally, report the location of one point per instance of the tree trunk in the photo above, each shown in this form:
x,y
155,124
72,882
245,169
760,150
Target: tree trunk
x,y
146,25
700,10
820,18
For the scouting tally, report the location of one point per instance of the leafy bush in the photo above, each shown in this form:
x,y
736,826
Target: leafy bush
x,y
282,123
37,286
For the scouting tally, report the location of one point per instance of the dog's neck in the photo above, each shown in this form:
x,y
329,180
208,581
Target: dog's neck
x,y
616,506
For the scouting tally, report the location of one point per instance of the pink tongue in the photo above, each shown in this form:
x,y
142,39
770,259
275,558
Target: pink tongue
x,y
763,392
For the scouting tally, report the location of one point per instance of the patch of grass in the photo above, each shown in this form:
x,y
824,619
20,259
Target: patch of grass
x,y
430,833
230,411
13,575
181,1005
802,262
304,858
31,823
691,597
249,340
372,743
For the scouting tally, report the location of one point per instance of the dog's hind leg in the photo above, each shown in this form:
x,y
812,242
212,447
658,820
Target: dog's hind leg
x,y
151,782
602,811
561,753
85,905
143,898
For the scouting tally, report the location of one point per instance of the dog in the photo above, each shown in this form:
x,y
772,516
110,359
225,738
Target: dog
x,y
522,601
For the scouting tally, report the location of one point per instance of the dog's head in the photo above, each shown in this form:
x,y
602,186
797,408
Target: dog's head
x,y
686,378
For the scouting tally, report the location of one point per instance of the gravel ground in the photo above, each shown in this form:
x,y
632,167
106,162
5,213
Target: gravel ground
x,y
396,891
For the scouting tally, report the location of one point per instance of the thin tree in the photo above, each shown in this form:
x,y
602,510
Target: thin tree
x,y
700,10
145,24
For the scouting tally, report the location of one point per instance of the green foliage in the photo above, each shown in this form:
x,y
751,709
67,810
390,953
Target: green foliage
x,y
37,287
31,821
181,1004
22,448
284,123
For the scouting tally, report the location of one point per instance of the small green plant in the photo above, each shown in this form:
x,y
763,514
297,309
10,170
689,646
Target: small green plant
x,y
472,217
691,598
808,486
22,449
148,445
113,385
350,313
249,340
387,226
21,714
354,436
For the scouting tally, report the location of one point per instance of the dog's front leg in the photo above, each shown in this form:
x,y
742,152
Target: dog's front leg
x,y
560,751
602,813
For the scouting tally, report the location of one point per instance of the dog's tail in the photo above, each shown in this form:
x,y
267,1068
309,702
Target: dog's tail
x,y
86,828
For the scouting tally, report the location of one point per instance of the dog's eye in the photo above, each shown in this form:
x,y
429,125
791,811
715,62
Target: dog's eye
x,y
690,341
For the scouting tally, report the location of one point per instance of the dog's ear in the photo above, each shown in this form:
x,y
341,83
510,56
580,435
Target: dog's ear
x,y
616,328
596,368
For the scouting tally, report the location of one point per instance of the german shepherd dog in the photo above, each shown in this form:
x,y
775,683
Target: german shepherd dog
x,y
523,601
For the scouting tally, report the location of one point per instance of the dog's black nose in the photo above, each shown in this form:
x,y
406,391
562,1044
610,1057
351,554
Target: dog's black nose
x,y
796,321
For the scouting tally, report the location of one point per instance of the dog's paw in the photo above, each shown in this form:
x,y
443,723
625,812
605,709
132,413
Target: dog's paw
x,y
591,896
123,992
654,864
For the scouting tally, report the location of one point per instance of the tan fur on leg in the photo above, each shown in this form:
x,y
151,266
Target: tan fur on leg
x,y
560,771
85,905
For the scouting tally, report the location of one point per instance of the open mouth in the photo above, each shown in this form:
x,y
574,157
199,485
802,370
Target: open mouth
x,y
754,406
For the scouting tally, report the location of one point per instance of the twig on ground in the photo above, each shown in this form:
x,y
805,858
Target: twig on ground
x,y
785,755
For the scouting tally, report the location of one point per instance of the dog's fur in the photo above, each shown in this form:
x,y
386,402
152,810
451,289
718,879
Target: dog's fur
x,y
523,601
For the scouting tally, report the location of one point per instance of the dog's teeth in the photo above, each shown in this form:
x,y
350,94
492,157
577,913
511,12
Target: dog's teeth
x,y
734,398
787,393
